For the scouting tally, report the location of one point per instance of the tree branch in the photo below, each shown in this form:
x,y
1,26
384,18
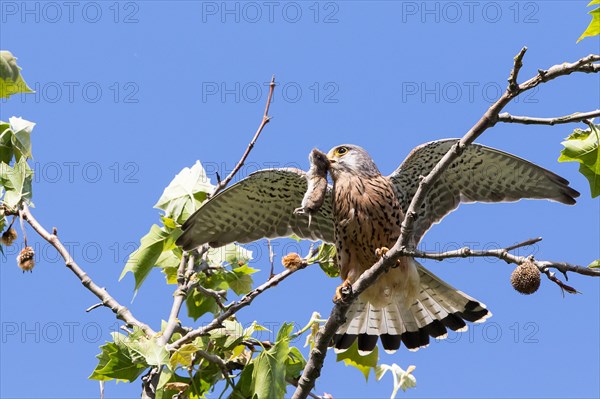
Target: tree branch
x,y
234,308
120,311
184,285
503,253
212,358
514,74
184,282
265,119
178,298
336,319
526,120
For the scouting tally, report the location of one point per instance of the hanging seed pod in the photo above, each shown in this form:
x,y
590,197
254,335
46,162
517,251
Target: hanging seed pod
x,y
526,278
25,259
9,236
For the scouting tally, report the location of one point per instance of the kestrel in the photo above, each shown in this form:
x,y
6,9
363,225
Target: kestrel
x,y
362,213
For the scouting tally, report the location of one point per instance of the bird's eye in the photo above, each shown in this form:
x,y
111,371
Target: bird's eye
x,y
340,151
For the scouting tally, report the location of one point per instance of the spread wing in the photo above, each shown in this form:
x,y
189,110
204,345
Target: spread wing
x,y
261,205
480,174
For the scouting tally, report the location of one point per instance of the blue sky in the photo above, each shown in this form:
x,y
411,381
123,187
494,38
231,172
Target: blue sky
x,y
129,93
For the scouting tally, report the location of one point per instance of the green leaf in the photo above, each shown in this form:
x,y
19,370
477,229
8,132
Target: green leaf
x,y
231,253
243,388
6,146
21,136
116,361
168,222
17,182
284,332
228,336
593,179
326,258
249,331
143,259
268,376
295,238
169,263
582,146
239,279
402,379
593,28
596,263
183,356
204,379
294,364
153,353
185,192
314,330
198,304
11,81
364,364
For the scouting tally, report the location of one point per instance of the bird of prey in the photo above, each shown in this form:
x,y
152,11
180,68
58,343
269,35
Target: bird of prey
x,y
362,213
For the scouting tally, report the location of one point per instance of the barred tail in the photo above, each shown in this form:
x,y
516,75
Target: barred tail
x,y
437,306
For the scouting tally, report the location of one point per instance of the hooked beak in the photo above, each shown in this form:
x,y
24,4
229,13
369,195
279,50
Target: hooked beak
x,y
330,159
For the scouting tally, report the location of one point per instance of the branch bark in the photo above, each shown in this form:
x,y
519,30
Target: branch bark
x,y
107,300
489,119
234,308
265,119
178,298
184,285
504,254
527,120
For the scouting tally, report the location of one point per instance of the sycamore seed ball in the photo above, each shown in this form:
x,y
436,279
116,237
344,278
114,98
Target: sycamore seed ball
x,y
526,278
292,261
9,236
25,259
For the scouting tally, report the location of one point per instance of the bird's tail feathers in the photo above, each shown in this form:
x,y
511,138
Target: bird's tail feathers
x,y
437,306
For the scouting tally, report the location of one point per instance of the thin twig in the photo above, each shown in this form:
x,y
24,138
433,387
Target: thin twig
x,y
233,308
184,286
514,74
265,119
178,298
211,357
23,228
121,311
588,122
184,283
505,117
99,304
503,254
564,287
216,295
525,243
271,258
312,370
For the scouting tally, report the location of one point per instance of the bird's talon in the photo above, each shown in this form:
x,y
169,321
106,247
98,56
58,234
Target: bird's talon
x,y
342,292
381,252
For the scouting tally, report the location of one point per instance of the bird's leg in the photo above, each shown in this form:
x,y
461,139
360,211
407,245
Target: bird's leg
x,y
342,292
382,252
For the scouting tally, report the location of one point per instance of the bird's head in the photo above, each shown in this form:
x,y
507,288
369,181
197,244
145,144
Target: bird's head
x,y
349,158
